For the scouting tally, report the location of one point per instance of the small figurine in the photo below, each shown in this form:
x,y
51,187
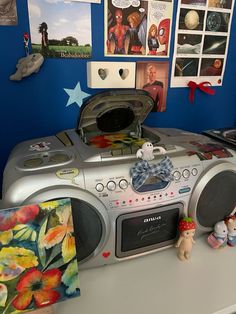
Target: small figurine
x,y
231,226
146,152
185,242
218,238
27,65
26,43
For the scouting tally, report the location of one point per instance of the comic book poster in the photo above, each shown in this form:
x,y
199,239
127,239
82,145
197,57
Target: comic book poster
x,y
60,29
153,77
137,28
8,12
38,261
201,41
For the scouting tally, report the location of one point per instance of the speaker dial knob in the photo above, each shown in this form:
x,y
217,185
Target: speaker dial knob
x,y
111,185
123,184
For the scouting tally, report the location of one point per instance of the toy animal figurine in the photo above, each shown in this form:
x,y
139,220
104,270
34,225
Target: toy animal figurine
x,y
185,242
231,226
27,65
218,238
146,152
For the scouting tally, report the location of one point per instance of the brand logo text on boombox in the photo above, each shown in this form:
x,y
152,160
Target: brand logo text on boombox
x,y
152,219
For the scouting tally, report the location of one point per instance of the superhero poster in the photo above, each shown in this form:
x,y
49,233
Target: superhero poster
x,y
137,28
201,41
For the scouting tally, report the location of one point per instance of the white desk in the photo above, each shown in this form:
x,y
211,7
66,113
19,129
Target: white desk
x,y
159,283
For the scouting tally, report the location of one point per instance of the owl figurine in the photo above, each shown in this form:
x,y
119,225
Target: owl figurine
x,y
146,152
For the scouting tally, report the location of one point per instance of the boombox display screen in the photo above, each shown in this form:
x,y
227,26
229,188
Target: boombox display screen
x,y
147,230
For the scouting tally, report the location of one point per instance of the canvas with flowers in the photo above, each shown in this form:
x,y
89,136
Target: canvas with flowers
x,y
38,264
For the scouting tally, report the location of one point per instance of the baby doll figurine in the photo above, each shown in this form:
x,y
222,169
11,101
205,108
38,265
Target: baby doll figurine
x,y
185,242
218,238
231,226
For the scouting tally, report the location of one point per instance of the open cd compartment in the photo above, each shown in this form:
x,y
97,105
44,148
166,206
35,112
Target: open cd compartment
x,y
114,119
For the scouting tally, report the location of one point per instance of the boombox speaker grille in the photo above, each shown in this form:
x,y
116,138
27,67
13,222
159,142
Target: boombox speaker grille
x,y
217,199
87,228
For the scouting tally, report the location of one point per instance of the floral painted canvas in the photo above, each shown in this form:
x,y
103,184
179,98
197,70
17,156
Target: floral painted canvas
x,y
38,264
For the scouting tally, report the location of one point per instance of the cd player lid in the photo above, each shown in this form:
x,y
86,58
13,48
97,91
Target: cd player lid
x,y
114,111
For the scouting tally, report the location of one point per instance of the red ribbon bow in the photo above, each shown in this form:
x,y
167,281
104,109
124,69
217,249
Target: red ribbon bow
x,y
203,86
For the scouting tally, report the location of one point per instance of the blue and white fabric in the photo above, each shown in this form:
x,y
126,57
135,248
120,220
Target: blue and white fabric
x,y
142,170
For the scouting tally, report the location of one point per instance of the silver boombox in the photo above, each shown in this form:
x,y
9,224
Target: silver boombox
x,y
91,165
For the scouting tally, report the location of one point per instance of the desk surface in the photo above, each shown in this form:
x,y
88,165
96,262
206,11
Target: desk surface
x,y
160,283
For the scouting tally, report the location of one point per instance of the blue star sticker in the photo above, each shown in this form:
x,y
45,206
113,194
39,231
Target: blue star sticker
x,y
76,95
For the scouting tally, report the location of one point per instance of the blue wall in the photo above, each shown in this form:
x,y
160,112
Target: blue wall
x,y
36,106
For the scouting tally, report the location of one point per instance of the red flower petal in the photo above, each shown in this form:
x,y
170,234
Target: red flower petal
x,y
51,279
27,213
100,141
46,297
7,221
22,301
26,282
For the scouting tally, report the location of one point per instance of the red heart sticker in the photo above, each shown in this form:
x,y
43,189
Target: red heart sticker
x,y
106,254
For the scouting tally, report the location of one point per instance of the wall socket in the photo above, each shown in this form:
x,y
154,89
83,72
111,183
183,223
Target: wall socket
x,y
111,74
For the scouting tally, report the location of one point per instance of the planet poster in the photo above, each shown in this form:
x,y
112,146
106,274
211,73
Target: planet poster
x,y
201,41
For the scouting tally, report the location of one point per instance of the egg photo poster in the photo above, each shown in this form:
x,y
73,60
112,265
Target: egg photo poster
x,y
38,260
201,41
137,28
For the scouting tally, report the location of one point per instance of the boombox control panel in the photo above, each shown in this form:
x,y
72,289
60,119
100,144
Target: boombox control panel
x,y
118,192
186,173
123,183
112,185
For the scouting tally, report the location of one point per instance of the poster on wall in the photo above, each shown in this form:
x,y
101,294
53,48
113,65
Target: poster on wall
x,y
137,28
201,41
92,1
8,12
60,29
153,77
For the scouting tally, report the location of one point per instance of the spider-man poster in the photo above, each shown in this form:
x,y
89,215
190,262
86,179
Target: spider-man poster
x,y
137,28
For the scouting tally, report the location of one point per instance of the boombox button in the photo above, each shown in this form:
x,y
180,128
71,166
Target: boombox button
x,y
194,172
123,184
99,187
111,185
186,173
177,175
184,190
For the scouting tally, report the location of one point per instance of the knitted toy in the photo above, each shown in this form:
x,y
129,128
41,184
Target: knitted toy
x,y
218,238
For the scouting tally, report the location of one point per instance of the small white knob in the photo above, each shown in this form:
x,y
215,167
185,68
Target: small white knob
x,y
123,184
111,185
186,173
99,187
